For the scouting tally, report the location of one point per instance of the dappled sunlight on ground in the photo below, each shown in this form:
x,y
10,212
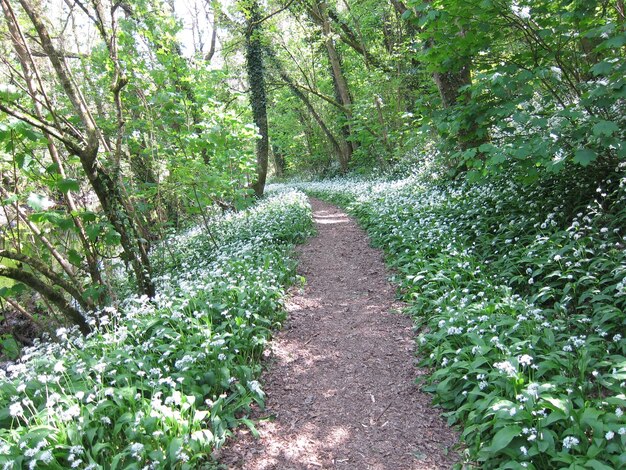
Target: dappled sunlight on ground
x,y
327,218
306,448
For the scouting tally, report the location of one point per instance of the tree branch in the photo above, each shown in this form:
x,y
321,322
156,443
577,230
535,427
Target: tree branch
x,y
65,77
49,293
52,276
280,10
42,126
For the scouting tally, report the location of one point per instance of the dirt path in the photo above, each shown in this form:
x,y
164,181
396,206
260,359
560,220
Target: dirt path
x,y
341,380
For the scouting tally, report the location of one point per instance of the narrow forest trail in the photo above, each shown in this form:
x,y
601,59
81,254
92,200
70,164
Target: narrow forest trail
x,y
340,383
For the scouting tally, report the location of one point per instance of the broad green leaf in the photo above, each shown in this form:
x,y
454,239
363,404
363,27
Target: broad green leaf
x,y
75,257
557,403
606,128
68,184
615,42
10,347
597,465
112,237
590,417
546,441
174,449
87,216
23,160
250,424
602,68
25,130
93,231
584,156
503,437
204,437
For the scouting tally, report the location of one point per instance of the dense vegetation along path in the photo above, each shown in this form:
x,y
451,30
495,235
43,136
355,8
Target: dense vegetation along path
x,y
341,382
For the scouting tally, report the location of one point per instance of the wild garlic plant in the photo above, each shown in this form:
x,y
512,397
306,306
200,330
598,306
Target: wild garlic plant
x,y
160,383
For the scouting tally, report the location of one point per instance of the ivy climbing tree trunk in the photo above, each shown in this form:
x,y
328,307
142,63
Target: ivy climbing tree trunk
x,y
258,100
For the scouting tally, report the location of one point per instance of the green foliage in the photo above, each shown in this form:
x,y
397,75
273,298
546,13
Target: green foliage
x,y
181,136
547,85
519,290
10,349
161,383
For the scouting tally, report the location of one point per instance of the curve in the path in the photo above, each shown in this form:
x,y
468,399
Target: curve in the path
x,y
341,383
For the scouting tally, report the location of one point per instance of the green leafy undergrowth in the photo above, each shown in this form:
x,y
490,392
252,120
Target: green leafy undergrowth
x,y
520,294
160,383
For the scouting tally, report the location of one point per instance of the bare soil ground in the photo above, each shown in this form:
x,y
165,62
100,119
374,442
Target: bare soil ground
x,y
340,383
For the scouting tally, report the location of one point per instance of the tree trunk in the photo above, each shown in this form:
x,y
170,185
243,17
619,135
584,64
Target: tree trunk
x,y
342,92
347,35
135,249
211,52
449,84
279,160
308,131
57,280
258,99
343,163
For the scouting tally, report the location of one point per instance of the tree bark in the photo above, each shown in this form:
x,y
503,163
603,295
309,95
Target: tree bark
x,y
258,100
340,84
211,52
449,84
347,36
52,276
308,131
279,160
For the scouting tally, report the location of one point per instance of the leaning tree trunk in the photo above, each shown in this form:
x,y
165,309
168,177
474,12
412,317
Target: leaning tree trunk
x,y
309,106
49,293
258,99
